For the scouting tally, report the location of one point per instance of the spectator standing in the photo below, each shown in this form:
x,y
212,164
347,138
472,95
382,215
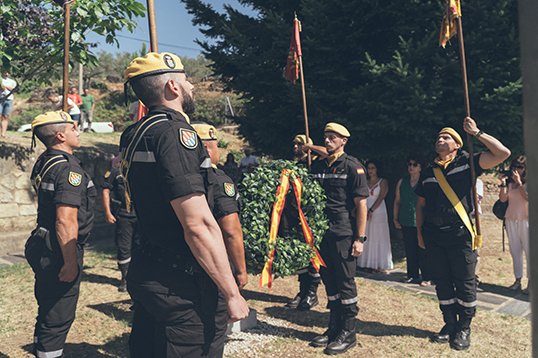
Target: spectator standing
x,y
72,108
405,219
74,96
377,254
248,162
231,169
6,104
514,189
86,109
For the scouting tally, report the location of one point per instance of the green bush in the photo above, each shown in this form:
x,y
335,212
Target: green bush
x,y
25,117
99,85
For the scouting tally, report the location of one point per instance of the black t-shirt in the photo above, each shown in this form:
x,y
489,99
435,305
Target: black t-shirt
x,y
343,181
170,162
226,197
458,175
64,183
113,181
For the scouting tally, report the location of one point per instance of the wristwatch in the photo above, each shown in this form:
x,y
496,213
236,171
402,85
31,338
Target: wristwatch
x,y
361,238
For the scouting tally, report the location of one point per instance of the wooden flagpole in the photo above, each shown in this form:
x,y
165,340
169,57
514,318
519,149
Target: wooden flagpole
x,y
468,114
304,108
67,37
152,27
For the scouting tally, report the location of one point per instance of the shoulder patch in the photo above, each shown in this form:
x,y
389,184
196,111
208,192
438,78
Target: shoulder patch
x,y
107,174
229,189
360,171
188,138
75,178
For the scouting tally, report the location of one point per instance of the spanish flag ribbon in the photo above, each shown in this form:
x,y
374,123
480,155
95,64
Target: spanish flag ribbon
x,y
448,27
278,207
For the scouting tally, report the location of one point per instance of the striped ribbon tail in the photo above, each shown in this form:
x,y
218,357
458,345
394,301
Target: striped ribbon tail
x,y
278,207
316,259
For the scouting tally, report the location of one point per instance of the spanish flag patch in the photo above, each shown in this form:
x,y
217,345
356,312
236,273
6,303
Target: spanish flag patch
x,y
360,171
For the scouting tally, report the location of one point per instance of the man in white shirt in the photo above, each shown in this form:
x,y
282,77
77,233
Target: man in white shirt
x,y
5,106
248,162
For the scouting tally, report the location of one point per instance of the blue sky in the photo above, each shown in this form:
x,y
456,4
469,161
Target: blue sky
x,y
175,31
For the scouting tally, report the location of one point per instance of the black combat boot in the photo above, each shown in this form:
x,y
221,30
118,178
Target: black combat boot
x,y
335,324
303,290
462,339
345,339
123,283
310,300
449,330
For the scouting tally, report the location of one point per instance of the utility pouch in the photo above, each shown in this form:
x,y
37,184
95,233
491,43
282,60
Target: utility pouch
x,y
51,251
40,251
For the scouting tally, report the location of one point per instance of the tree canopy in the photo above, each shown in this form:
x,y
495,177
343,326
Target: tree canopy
x,y
372,65
32,33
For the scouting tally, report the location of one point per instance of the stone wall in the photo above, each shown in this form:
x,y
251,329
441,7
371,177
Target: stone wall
x,y
18,202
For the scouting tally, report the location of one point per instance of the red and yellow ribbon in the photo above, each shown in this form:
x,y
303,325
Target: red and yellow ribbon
x,y
278,207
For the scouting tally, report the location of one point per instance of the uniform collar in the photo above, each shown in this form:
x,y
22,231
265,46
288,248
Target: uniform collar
x,y
68,156
174,112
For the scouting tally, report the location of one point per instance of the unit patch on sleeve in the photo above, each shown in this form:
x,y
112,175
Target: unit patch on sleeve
x,y
75,178
107,174
229,189
188,138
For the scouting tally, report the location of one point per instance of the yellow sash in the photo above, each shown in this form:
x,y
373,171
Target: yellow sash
x,y
456,202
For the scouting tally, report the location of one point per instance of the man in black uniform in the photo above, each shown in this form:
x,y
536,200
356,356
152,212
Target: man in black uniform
x,y
65,198
126,233
447,234
227,205
344,181
173,279
309,278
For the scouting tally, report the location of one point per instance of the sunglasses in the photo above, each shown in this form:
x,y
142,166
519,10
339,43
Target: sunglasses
x,y
518,166
413,164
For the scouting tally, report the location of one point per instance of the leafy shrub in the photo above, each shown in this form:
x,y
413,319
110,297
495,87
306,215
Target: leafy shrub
x,y
99,85
25,117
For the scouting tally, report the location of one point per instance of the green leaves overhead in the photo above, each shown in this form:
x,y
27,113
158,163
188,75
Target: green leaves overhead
x,y
258,192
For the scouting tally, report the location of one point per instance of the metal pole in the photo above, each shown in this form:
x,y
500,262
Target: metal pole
x,y
152,27
528,28
468,114
67,37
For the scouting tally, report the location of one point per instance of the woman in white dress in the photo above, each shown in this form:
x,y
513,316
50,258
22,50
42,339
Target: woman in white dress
x,y
377,254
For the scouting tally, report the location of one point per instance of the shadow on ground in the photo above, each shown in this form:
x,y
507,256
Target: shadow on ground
x,y
118,347
262,296
112,310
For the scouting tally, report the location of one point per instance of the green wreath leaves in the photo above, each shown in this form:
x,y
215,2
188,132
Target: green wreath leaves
x,y
258,193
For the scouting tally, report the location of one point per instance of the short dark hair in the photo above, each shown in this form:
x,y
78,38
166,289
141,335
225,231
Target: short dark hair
x,y
150,89
417,158
47,133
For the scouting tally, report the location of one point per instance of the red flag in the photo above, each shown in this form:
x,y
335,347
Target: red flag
x,y
292,67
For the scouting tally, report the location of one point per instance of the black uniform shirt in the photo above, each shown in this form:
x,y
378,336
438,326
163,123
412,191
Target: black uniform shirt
x,y
343,181
458,175
170,162
226,197
114,182
65,183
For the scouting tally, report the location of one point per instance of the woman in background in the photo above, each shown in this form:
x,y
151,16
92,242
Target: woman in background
x,y
376,254
405,219
514,189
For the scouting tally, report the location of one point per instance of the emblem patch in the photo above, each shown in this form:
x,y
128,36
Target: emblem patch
x,y
360,171
229,189
75,178
188,138
63,115
169,61
107,174
212,134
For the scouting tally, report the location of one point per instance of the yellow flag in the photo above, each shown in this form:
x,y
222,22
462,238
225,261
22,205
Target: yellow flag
x,y
448,27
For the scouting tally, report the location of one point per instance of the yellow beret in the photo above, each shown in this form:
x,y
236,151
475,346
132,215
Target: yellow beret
x,y
51,118
153,64
337,128
301,139
205,131
453,133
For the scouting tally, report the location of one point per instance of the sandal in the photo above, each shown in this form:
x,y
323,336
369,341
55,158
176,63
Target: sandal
x,y
425,283
515,286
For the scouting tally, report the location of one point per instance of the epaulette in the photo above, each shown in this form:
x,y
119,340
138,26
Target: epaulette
x,y
49,164
128,153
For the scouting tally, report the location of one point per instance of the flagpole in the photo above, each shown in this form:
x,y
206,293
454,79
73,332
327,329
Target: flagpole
x,y
468,114
67,37
304,108
152,27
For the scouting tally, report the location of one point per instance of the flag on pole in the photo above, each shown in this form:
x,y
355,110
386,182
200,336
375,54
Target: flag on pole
x,y
62,3
292,67
448,27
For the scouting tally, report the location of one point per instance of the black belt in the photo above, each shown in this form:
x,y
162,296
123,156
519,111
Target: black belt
x,y
441,221
188,265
